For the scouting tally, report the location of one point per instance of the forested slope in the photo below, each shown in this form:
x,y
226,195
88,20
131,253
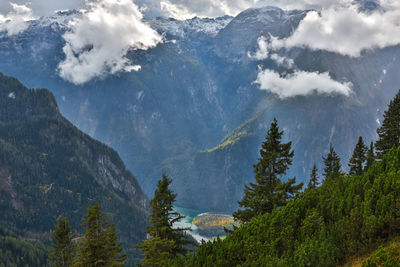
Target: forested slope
x,y
345,216
48,168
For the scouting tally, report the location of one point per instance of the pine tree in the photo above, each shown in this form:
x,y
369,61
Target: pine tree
x,y
332,164
64,250
370,157
313,178
165,242
356,163
99,246
269,192
389,132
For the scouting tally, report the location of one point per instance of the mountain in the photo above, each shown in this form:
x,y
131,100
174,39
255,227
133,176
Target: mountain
x,y
50,168
184,111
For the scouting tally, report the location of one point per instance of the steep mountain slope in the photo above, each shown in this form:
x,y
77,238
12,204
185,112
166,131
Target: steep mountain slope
x,y
48,168
198,87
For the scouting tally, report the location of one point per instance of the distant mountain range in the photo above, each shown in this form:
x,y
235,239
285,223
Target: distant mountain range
x,y
194,111
50,168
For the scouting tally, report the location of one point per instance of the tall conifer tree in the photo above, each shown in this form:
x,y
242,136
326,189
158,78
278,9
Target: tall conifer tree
x,y
332,164
370,156
313,178
63,251
269,192
99,246
389,132
165,242
356,163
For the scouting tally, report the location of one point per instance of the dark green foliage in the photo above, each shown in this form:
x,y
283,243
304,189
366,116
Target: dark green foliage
x,y
321,227
99,246
48,167
370,156
63,251
313,178
332,164
269,192
165,242
357,160
389,132
16,251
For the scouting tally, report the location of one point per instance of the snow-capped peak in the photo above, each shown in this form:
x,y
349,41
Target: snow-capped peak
x,y
179,28
60,18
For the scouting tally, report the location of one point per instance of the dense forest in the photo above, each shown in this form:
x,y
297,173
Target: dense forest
x,y
16,251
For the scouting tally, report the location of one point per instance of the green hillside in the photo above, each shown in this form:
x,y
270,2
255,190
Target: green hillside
x,y
326,226
48,168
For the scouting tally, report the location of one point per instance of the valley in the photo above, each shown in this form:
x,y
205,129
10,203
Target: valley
x,y
200,133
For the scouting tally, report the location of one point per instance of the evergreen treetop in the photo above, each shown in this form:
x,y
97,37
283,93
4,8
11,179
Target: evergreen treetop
x,y
370,156
64,250
313,178
269,192
99,246
389,132
166,241
356,163
332,164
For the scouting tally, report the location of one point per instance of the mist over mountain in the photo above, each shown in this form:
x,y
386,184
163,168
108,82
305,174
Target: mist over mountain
x,y
195,109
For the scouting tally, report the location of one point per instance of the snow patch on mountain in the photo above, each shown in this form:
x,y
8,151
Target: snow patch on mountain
x,y
60,18
180,28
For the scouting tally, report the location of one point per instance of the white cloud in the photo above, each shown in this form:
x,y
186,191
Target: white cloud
x,y
16,21
182,9
345,30
99,40
301,83
283,61
262,51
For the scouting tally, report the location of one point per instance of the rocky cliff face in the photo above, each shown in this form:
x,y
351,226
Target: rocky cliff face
x,y
197,88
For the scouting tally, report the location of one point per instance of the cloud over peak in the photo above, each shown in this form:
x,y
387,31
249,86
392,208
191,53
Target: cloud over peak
x,y
100,38
301,83
345,30
16,21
